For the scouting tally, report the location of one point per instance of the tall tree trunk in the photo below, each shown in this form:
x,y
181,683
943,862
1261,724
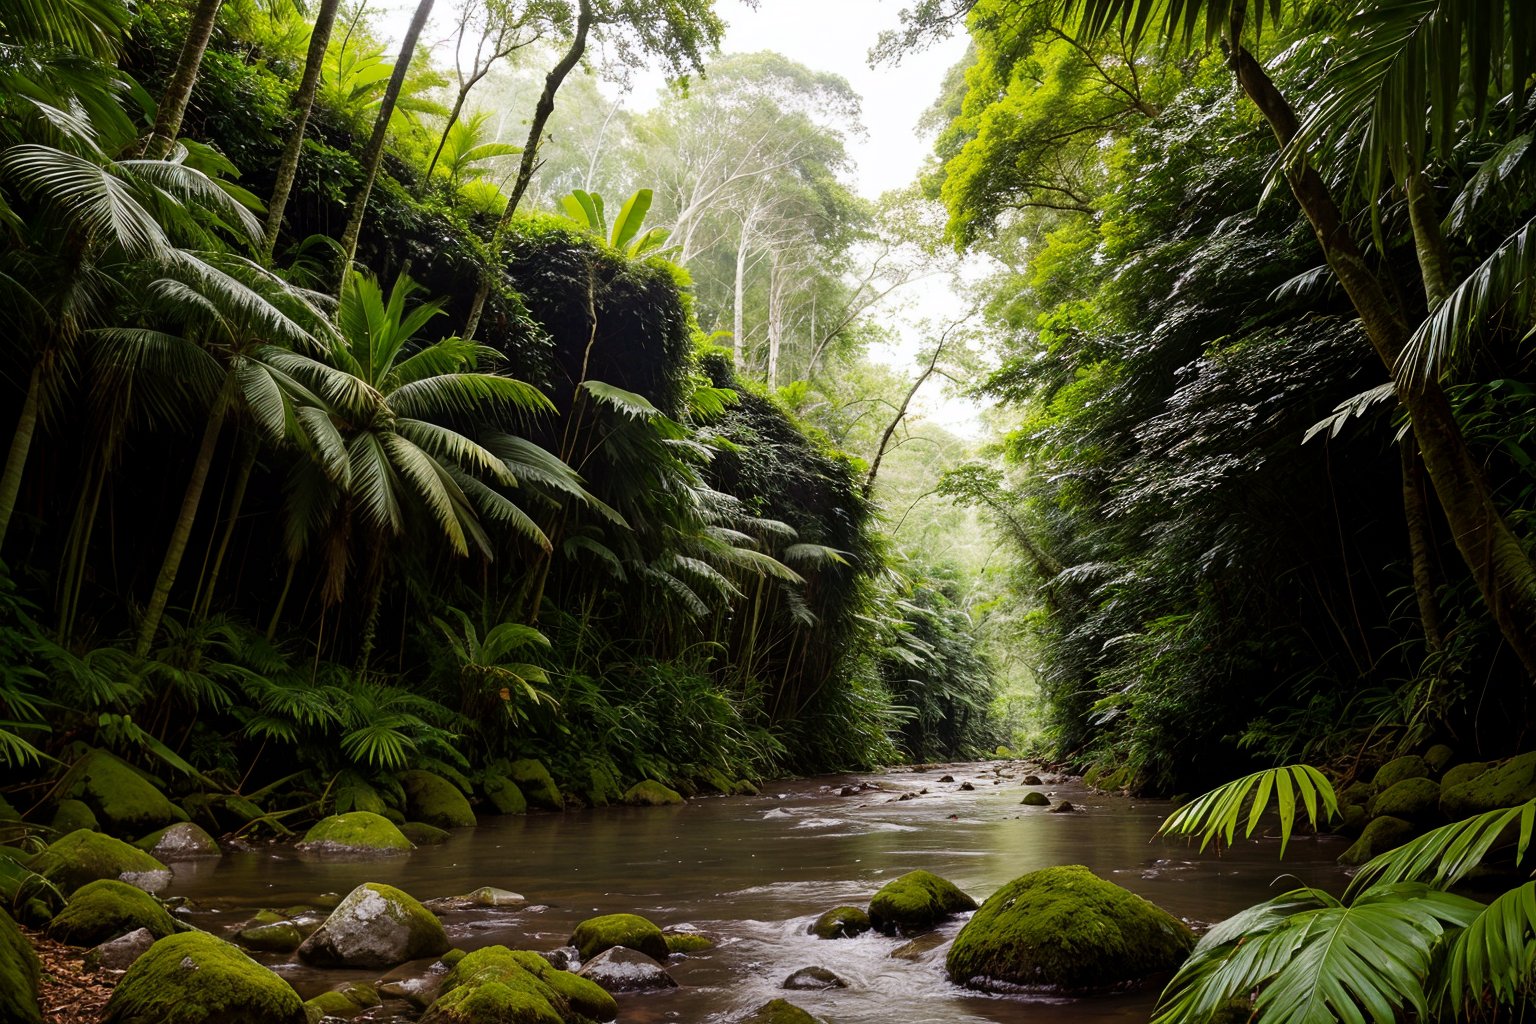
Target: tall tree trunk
x,y
21,446
373,155
738,312
1504,573
173,104
303,103
525,168
453,119
183,528
1416,512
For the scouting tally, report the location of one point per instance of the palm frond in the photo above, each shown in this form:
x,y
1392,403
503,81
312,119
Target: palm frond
x,y
1442,857
467,395
1217,814
1357,405
636,407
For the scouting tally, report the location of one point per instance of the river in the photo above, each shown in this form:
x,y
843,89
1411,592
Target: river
x,y
753,872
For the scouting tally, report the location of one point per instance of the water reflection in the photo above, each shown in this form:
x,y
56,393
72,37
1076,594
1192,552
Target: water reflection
x,y
754,872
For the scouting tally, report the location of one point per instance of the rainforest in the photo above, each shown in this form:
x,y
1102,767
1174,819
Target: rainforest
x,y
555,511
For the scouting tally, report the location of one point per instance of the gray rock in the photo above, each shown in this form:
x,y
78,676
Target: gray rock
x,y
626,970
182,841
149,881
485,896
813,979
1065,807
566,958
1031,780
375,926
120,953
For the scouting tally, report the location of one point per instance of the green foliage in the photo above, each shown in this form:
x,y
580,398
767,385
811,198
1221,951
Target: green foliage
x,y
1217,814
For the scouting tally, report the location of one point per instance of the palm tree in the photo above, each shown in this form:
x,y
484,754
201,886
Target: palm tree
x,y
303,102
1408,100
178,91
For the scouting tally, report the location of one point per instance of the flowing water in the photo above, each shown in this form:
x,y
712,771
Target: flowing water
x,y
753,872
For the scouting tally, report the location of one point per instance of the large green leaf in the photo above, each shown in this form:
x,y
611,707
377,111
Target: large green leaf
x,y
1216,815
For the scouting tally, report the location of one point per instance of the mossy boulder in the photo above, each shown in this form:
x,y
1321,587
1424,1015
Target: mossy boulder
x,y
841,923
718,781
194,978
1066,929
1456,775
18,975
1411,766
1380,835
347,1001
650,793
1351,819
271,937
780,1011
497,985
355,834
626,970
596,934
184,840
1357,792
1035,799
1503,785
84,856
746,787
1439,757
435,800
73,815
106,908
687,942
915,902
536,783
1412,799
125,802
376,925
422,834
503,794
814,979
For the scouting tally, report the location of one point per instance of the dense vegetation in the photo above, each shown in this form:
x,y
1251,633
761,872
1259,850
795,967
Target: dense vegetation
x,y
353,438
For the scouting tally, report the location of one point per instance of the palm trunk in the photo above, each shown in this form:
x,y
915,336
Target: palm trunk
x,y
525,168
183,528
303,103
1503,571
374,154
21,446
173,105
1416,512
247,466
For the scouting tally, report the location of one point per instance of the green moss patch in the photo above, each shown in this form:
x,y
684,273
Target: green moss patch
x,y
85,856
536,783
687,942
435,800
1067,930
651,793
271,937
18,975
497,985
1413,799
780,1011
125,802
596,934
1034,799
1504,785
1390,774
358,833
1379,836
105,908
841,923
422,834
73,815
503,795
916,901
194,978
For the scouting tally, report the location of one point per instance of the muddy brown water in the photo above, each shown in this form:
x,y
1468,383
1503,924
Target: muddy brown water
x,y
753,872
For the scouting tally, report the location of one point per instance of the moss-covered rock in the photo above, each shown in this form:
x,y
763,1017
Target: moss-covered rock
x,y
915,902
1411,766
184,840
355,834
1351,819
1457,774
746,787
596,934
718,781
597,782
435,800
497,985
347,1001
687,942
626,970
1412,799
780,1011
1439,757
73,815
1357,792
18,975
106,908
1503,785
194,978
1035,799
1068,930
376,925
841,923
813,979
503,795
536,783
84,856
650,793
125,802
271,937
1379,836
422,834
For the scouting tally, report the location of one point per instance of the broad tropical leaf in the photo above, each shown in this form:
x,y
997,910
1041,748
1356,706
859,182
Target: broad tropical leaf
x,y
1217,814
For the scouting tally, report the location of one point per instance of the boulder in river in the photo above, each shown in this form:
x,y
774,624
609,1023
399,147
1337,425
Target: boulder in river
x,y
1415,799
1381,835
181,841
536,783
71,815
503,794
124,801
376,925
194,978
596,934
117,954
780,1011
1066,930
1035,799
840,923
355,834
347,1001
626,970
106,908
1065,807
84,856
436,801
813,979
1031,780
687,942
271,936
915,902
651,793
18,975
497,985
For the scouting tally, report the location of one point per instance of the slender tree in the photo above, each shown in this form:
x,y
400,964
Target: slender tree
x,y
303,102
178,91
